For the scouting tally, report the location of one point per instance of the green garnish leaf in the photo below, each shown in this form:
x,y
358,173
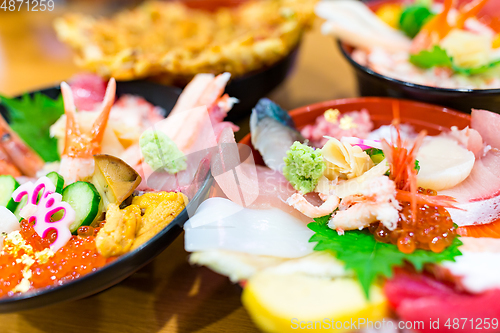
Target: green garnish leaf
x,y
376,155
438,57
304,166
370,259
31,119
476,70
413,18
417,166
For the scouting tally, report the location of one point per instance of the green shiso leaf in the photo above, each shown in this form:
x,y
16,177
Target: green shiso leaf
x,y
438,57
31,119
368,258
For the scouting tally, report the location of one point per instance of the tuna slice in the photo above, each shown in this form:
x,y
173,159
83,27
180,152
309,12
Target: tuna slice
x,y
88,91
434,305
479,194
487,124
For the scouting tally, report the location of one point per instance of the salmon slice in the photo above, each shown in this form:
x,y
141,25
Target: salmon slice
x,y
490,230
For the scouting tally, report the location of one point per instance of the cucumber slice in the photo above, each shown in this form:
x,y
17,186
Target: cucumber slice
x,y
7,186
84,199
57,180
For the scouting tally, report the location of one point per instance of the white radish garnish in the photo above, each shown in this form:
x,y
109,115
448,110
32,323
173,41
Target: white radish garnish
x,y
8,223
443,163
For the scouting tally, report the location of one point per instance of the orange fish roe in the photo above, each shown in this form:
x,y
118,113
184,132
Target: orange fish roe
x,y
432,230
77,258
32,238
11,273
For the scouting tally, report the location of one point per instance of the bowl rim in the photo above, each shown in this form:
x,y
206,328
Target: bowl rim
x,y
376,99
369,99
369,71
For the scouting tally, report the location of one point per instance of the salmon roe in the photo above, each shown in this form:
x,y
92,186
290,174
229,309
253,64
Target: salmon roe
x,y
78,257
32,238
11,273
75,259
433,229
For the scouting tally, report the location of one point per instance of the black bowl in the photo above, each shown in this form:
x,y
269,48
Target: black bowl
x,y
129,263
251,87
371,83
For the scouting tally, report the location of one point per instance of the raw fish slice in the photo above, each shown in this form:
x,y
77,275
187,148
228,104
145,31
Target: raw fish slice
x,y
88,91
273,132
274,190
478,196
476,271
468,138
237,180
491,230
476,212
224,225
405,286
419,298
487,124
259,186
483,182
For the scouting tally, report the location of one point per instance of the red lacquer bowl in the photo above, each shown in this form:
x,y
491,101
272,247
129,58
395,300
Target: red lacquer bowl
x,y
421,116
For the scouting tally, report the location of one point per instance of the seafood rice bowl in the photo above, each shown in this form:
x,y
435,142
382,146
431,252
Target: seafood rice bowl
x,y
436,44
375,211
88,178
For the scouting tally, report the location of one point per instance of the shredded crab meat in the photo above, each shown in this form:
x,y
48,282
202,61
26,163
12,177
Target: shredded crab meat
x,y
301,204
377,202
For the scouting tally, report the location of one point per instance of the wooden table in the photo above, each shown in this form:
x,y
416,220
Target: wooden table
x,y
168,295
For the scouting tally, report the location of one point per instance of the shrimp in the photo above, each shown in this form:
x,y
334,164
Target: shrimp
x,y
16,154
377,202
438,27
301,204
354,23
77,161
188,125
205,90
6,165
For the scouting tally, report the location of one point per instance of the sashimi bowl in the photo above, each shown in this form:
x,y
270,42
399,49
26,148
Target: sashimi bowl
x,y
311,269
393,71
93,271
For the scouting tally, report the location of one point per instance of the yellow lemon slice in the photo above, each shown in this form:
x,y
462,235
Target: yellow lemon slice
x,y
287,303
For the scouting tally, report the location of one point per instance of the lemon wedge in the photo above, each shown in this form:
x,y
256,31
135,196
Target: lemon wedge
x,y
285,303
443,163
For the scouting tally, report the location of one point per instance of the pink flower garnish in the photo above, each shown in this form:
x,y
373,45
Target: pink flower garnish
x,y
363,144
